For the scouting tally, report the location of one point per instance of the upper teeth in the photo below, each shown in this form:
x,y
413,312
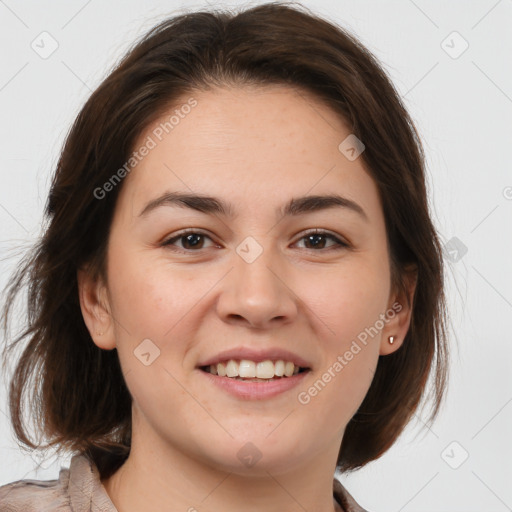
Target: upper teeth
x,y
262,370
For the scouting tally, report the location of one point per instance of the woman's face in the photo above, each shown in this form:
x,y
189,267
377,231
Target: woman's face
x,y
249,278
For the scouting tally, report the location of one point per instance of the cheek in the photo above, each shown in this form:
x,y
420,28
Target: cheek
x,y
152,307
348,302
337,391
349,308
148,296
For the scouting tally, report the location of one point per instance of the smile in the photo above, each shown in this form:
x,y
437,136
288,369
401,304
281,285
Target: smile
x,y
248,379
259,371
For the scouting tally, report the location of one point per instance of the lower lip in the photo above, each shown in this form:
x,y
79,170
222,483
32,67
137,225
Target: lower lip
x,y
255,390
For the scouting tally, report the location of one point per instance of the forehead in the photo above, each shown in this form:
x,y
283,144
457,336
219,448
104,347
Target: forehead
x,y
252,146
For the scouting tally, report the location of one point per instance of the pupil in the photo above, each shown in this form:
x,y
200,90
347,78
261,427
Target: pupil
x,y
311,237
189,237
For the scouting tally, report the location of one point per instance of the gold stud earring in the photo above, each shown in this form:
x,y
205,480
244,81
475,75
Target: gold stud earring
x,y
391,339
100,333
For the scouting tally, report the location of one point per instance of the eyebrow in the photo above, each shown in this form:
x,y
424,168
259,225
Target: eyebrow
x,y
212,205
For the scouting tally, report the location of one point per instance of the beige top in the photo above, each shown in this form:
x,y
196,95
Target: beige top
x,y
79,489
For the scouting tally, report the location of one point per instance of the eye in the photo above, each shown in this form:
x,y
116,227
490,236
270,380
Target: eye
x,y
315,237
191,238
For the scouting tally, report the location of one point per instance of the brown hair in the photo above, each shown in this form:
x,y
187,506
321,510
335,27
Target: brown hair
x,y
79,398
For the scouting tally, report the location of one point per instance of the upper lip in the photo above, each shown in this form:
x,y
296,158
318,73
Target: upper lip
x,y
256,355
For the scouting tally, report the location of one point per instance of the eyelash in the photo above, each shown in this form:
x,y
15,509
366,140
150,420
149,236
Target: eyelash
x,y
169,242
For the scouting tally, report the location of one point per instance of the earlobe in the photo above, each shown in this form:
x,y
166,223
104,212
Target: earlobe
x,y
400,315
94,306
390,345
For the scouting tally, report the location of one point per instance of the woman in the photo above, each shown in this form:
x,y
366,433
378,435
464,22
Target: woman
x,y
240,289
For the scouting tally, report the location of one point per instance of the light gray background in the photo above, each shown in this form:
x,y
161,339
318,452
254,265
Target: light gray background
x,y
462,107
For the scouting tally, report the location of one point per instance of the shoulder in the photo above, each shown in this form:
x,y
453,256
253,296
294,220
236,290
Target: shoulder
x,y
78,489
345,499
36,495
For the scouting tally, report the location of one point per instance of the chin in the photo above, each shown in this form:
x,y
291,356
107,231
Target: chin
x,y
259,455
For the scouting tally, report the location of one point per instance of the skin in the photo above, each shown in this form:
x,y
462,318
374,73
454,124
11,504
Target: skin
x,y
255,148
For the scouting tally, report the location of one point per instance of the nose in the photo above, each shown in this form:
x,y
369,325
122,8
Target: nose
x,y
258,294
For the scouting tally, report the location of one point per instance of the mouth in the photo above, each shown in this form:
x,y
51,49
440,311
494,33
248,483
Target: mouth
x,y
249,373
248,380
255,371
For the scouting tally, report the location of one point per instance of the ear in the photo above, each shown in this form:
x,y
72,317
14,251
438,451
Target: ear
x,y
399,313
96,309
